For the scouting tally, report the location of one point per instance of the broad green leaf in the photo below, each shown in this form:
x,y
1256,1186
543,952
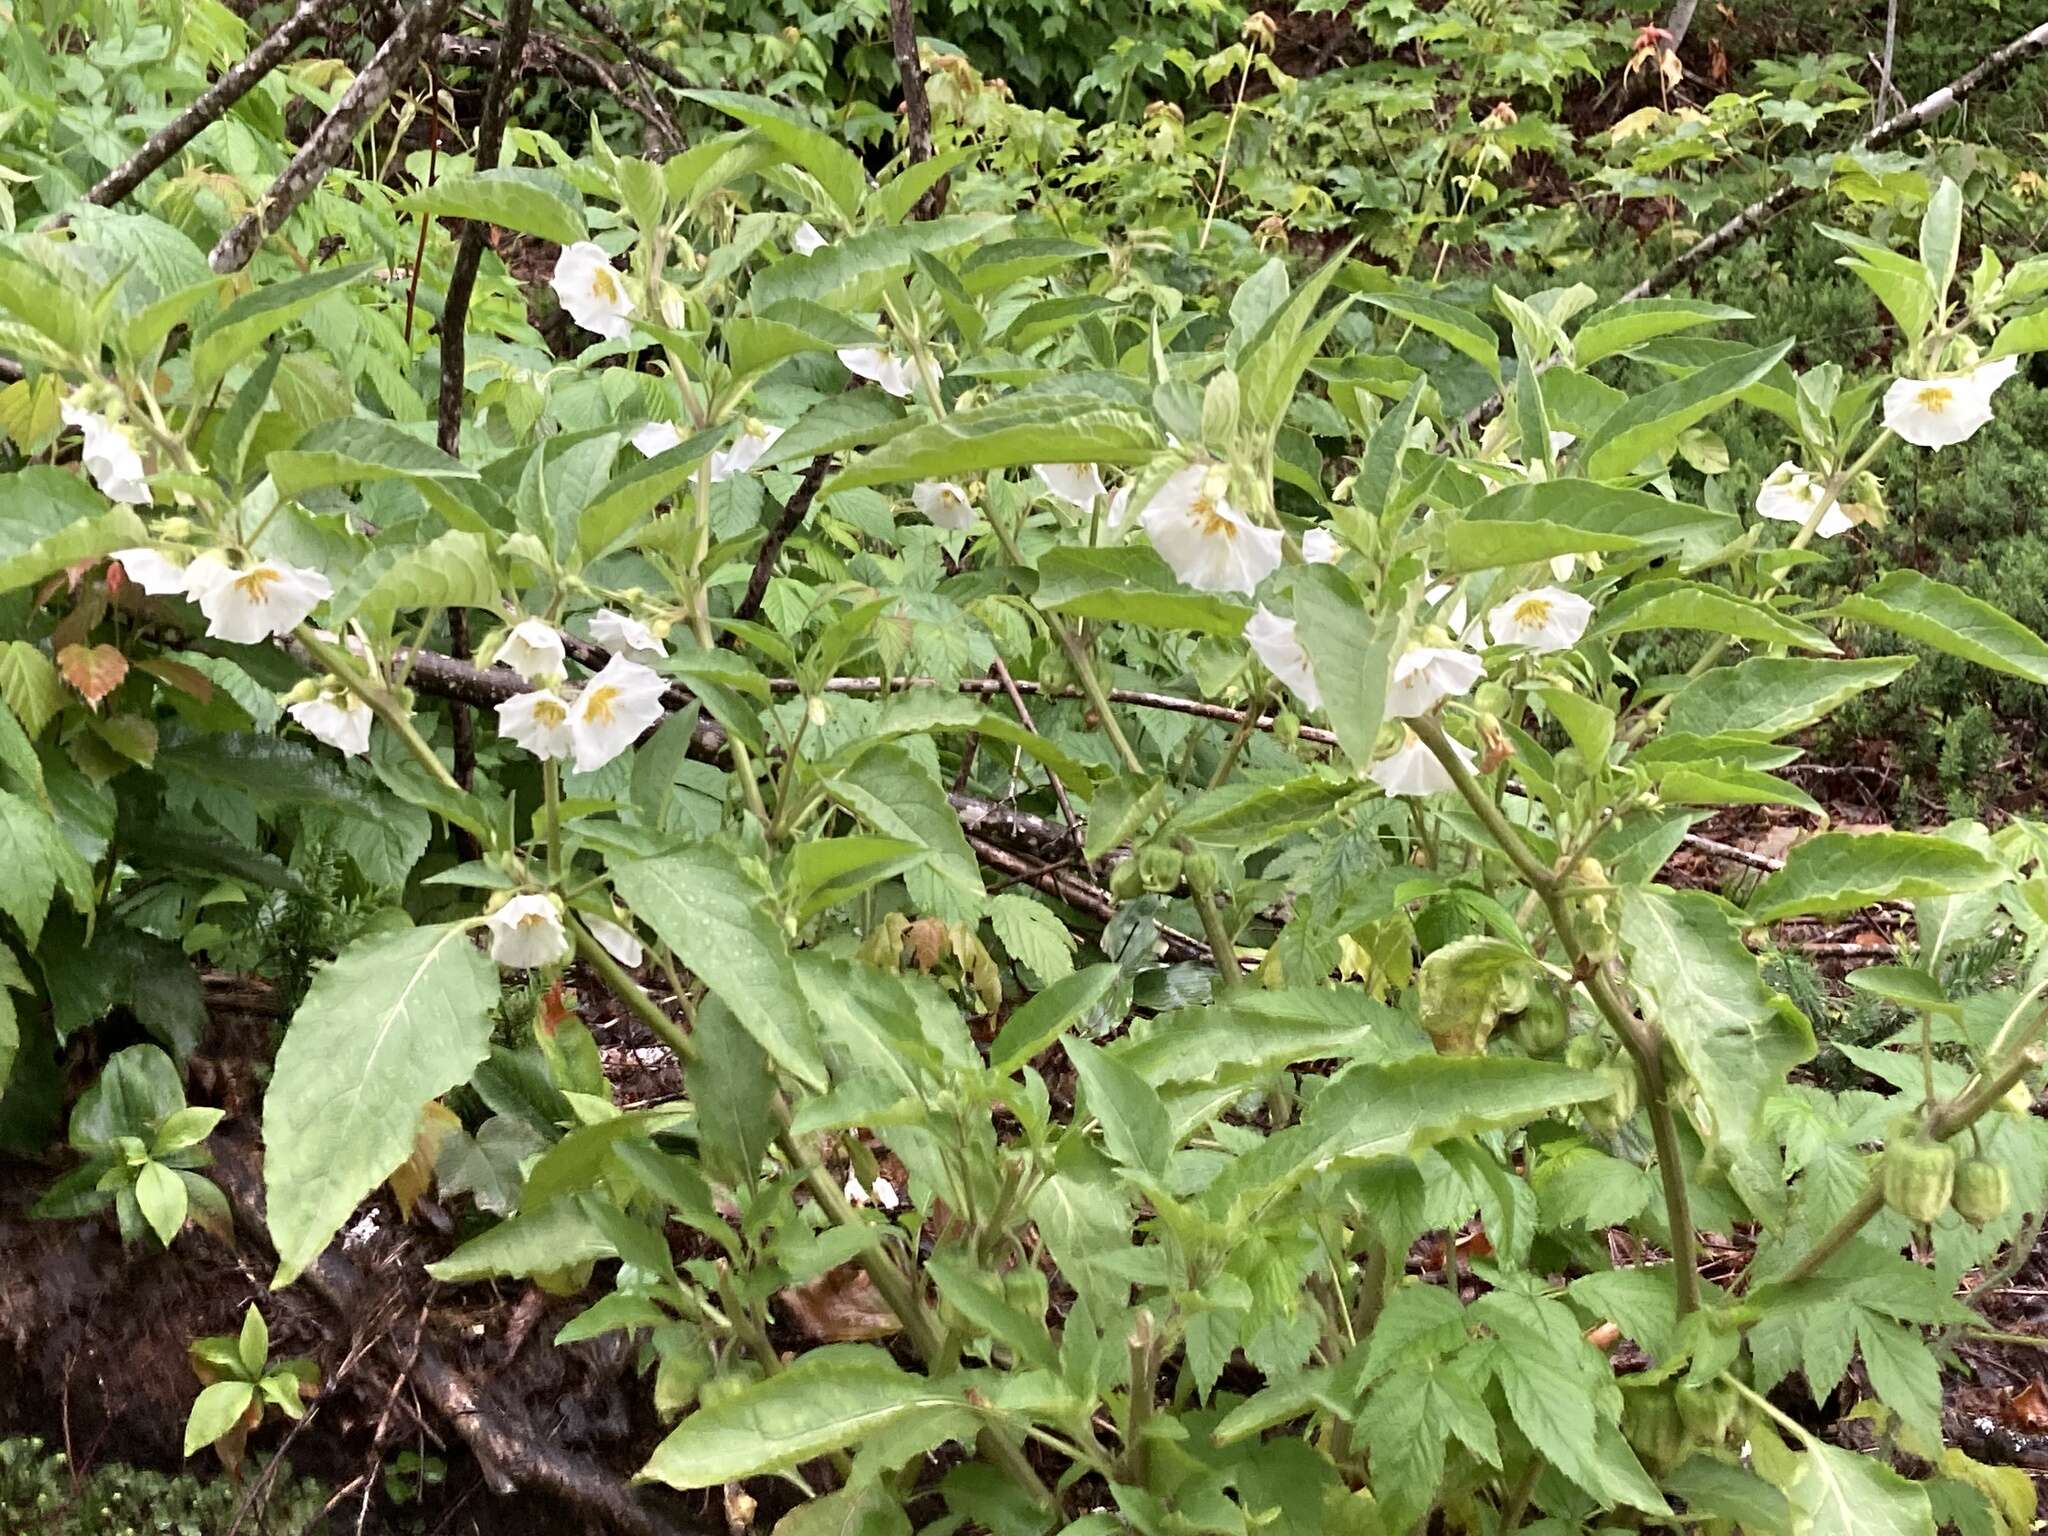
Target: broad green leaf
x,y
896,795
849,271
613,512
1712,782
453,571
1133,585
1607,511
1696,605
1900,283
972,1291
1134,1124
522,198
823,156
1648,425
1006,434
1700,984
928,711
1846,872
161,1199
2021,334
718,921
1033,934
364,449
1455,327
1246,816
398,1019
1039,1022
1630,324
1351,652
1949,619
1484,546
50,519
552,1237
1941,234
1908,986
826,1400
215,1411
240,330
1589,724
1272,363
756,343
993,267
1852,1493
1774,696
30,686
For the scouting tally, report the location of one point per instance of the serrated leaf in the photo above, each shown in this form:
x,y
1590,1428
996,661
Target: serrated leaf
x,y
1035,938
50,520
1774,696
522,198
1846,872
1134,1122
1848,1493
452,571
1948,619
94,670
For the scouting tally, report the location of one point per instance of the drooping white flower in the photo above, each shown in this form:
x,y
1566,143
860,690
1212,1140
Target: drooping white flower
x,y
1454,617
612,710
534,650
944,503
1276,642
1412,769
1209,544
1562,566
856,1192
1790,495
807,241
591,291
878,365
1319,546
1545,619
1427,675
527,932
265,599
537,720
1933,413
109,455
336,717
621,941
885,1194
624,635
1078,485
657,437
156,573
746,451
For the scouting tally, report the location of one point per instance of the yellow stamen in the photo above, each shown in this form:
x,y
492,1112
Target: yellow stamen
x,y
604,285
1209,518
597,704
1935,397
256,582
1532,612
550,711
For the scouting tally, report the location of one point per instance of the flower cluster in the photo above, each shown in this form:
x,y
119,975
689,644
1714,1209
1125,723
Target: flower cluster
x,y
245,604
110,456
592,724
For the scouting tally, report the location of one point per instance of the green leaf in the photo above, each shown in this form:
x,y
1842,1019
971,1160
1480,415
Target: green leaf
x,y
1712,782
240,330
1648,425
826,1400
1245,816
1449,324
1033,935
398,1019
1134,1123
1630,324
1774,696
1848,1493
361,450
1596,513
252,1346
990,268
1696,605
808,147
30,686
1132,585
1903,1370
554,1237
718,921
1908,986
1949,619
1351,652
1039,1022
216,1411
50,520
849,272
1846,872
756,343
522,198
1735,1035
1271,364
1008,433
969,1289
453,571
161,1198
898,796
1941,234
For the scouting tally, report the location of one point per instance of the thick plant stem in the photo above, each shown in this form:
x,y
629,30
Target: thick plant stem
x,y
1641,1040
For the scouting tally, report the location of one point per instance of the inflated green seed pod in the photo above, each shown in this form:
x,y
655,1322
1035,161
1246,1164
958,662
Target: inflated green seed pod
x,y
1587,1052
1541,1028
1919,1176
1653,1429
1466,986
1125,883
1287,727
1199,870
1610,1114
1159,866
1593,918
1982,1191
1492,699
1708,1412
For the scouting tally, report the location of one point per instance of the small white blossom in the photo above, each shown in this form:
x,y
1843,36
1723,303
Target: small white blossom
x,y
1119,507
1790,495
624,635
1933,413
1546,619
612,710
1319,546
1412,769
591,291
1078,485
856,1192
534,650
1562,566
336,717
885,1194
746,451
1427,675
1276,643
807,241
109,455
537,720
268,598
944,503
527,933
1209,544
878,365
657,437
620,941
1454,618
154,572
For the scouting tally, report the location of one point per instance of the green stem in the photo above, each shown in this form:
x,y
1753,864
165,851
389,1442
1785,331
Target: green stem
x,y
382,704
1254,707
1516,1504
551,801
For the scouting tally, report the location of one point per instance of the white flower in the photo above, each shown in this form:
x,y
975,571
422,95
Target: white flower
x,y
1562,566
1453,618
527,933
591,291
336,717
1208,543
1275,642
1120,507
110,456
807,241
624,635
944,503
856,1192
1427,675
269,598
534,650
657,437
1789,495
1076,484
745,452
1559,441
537,720
156,573
612,710
1546,619
1319,546
1932,413
621,941
896,375
1412,769
885,1194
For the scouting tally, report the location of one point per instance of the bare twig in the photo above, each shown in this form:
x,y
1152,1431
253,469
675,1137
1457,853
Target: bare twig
x,y
1024,718
325,146
917,106
1884,69
608,27
793,513
1082,895
1733,854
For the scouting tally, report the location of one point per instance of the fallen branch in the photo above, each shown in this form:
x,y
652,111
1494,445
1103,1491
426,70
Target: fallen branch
x,y
793,513
608,27
1082,895
326,145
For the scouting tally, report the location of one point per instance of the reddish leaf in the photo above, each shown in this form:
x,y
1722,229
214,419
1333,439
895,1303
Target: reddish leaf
x,y
2029,1405
179,675
94,671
